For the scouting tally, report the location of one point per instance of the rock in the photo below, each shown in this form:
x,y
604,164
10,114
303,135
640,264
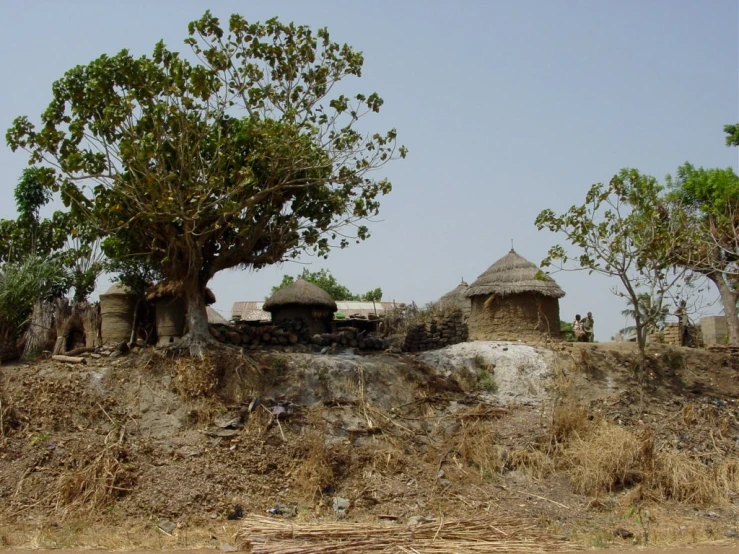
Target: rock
x,y
228,421
167,526
623,533
341,505
254,404
733,534
284,511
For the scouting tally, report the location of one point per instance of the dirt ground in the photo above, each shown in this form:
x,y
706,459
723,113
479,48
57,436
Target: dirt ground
x,y
148,451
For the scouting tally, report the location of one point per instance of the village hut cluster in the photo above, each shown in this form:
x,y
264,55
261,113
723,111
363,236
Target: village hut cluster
x,y
512,300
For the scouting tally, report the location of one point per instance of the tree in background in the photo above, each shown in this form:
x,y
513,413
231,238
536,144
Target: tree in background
x,y
243,158
656,319
71,245
621,231
732,134
705,215
323,279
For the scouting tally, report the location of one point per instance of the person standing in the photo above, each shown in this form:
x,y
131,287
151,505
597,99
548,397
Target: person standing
x,y
684,323
587,327
577,329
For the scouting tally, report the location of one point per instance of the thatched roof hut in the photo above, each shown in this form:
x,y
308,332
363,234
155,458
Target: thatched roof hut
x,y
301,293
514,299
457,299
173,289
305,301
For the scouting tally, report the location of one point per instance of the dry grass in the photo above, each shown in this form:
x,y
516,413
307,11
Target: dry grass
x,y
679,477
609,458
196,378
478,445
265,535
102,478
314,471
569,420
532,462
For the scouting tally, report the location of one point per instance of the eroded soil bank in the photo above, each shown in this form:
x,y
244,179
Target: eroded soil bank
x,y
149,451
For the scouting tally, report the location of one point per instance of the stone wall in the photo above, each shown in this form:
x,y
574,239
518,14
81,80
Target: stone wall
x,y
514,317
450,329
293,332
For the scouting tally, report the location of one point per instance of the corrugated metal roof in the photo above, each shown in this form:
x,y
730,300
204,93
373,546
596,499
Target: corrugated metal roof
x,y
250,311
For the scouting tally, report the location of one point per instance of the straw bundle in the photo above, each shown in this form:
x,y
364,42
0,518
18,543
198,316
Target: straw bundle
x,y
264,535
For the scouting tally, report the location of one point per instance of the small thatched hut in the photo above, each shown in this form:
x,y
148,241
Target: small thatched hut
x,y
169,306
117,307
303,300
456,299
513,299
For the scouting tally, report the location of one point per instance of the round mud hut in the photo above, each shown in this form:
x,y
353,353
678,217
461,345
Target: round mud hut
x,y
514,300
304,301
117,308
456,299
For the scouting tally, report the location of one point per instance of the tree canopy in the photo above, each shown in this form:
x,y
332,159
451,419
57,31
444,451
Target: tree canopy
x,y
705,215
622,230
326,281
242,157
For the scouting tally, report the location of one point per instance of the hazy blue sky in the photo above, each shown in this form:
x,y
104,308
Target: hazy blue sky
x,y
507,108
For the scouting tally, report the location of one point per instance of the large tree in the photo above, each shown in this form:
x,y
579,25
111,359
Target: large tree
x,y
241,155
705,215
622,231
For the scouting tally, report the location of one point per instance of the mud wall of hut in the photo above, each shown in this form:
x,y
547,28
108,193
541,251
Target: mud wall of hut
x,y
450,329
512,317
316,321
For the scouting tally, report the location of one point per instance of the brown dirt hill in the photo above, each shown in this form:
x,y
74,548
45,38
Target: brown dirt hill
x,y
99,455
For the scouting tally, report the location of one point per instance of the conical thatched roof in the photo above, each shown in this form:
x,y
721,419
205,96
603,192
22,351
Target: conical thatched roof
x,y
513,274
300,293
167,288
456,298
118,289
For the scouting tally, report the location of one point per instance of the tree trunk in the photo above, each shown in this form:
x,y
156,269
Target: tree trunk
x,y
198,335
729,299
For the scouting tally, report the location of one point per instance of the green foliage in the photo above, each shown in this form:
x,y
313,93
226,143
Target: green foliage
x,y
621,230
243,158
486,381
705,215
732,134
323,279
70,244
22,284
567,330
655,317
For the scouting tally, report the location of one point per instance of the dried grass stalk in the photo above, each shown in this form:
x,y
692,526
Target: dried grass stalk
x,y
503,533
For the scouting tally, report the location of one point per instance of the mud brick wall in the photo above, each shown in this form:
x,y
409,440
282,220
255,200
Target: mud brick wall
x,y
671,335
451,329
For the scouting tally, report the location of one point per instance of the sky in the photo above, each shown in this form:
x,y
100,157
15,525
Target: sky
x,y
507,107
